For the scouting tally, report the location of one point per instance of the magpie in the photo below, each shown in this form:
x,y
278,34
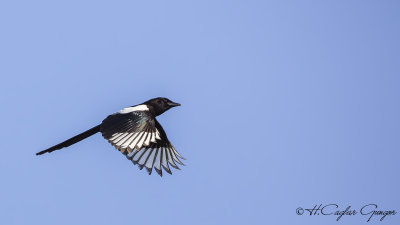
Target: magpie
x,y
135,132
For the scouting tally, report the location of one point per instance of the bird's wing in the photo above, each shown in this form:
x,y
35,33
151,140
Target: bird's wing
x,y
142,139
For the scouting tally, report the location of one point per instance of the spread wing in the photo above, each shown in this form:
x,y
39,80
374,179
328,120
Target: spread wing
x,y
141,138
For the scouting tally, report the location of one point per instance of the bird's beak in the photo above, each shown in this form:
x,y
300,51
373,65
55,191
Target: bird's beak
x,y
173,104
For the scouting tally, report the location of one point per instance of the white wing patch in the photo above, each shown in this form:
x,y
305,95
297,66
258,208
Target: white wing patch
x,y
133,143
126,144
153,137
130,141
147,141
158,135
134,108
140,143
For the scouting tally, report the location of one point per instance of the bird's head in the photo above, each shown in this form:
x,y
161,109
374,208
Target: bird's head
x,y
160,105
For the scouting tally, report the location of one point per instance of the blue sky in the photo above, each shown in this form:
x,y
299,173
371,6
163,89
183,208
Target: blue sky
x,y
285,104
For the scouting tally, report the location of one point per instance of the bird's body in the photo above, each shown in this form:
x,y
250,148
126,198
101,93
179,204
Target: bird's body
x,y
137,134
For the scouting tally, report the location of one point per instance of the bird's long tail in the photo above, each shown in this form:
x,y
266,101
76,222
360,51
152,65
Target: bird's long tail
x,y
72,140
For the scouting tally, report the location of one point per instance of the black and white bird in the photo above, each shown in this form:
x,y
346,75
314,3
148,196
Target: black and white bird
x,y
136,133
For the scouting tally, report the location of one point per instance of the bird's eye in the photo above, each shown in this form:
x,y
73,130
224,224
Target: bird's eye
x,y
159,101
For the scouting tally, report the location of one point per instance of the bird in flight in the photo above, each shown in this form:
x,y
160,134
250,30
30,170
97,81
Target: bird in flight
x,y
136,133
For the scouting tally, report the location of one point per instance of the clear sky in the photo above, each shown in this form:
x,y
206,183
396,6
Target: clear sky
x,y
285,104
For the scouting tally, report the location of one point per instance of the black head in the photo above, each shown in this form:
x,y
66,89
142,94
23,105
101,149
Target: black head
x,y
159,105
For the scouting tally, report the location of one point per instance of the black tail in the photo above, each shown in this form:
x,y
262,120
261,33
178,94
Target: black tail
x,y
72,140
